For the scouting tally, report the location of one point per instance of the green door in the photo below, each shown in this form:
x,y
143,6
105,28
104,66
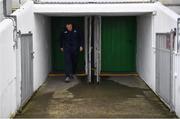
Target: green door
x,y
118,44
57,26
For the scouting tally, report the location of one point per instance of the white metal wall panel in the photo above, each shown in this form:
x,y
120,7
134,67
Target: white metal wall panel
x,y
93,1
164,21
163,67
27,68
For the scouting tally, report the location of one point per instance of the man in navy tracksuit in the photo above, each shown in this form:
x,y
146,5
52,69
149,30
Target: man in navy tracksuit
x,y
71,42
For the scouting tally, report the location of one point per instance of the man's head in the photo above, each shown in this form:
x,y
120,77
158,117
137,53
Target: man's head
x,y
69,26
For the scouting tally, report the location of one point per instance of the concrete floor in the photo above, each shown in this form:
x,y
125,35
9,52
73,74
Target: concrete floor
x,y
114,97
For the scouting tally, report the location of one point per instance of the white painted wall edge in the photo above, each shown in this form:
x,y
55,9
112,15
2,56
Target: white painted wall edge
x,y
170,1
95,1
167,11
175,8
93,8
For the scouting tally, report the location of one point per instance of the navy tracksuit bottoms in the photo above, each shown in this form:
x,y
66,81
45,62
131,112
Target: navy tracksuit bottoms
x,y
70,60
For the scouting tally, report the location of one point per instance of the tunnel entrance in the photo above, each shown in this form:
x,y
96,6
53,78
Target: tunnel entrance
x,y
109,44
119,38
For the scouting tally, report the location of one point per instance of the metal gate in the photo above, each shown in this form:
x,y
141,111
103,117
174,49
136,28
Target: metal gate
x,y
26,67
94,29
164,61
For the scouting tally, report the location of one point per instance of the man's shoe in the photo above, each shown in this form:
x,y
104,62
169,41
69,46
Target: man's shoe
x,y
74,77
67,80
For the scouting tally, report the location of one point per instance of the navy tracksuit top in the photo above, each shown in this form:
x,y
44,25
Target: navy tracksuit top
x,y
71,40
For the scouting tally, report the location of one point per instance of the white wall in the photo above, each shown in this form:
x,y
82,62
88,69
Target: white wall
x,y
42,49
39,26
161,21
145,57
164,21
10,61
10,87
169,19
7,70
24,25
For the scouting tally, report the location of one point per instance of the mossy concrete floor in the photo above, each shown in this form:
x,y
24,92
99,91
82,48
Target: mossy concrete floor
x,y
114,97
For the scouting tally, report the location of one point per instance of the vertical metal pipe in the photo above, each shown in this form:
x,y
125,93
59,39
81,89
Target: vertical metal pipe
x,y
172,38
171,70
98,38
97,49
96,32
90,49
86,44
100,20
178,33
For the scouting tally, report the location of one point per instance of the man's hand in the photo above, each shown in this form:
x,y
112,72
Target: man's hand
x,y
62,49
81,49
